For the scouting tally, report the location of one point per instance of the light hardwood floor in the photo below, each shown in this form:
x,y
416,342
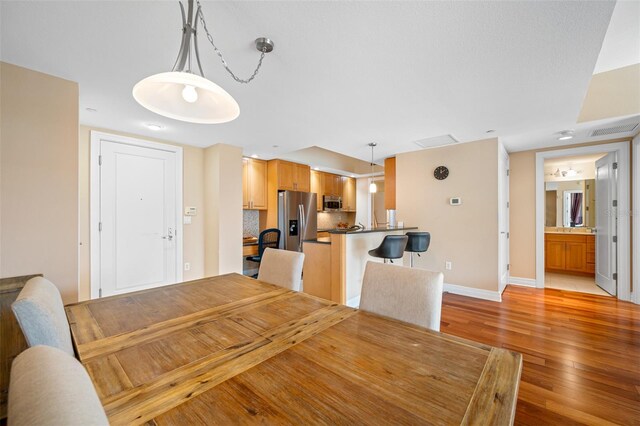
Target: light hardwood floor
x,y
581,351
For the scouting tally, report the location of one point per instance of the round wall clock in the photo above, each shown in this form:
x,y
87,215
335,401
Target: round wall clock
x,y
441,173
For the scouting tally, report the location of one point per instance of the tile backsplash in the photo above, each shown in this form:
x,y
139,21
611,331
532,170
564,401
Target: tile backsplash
x,y
250,223
330,220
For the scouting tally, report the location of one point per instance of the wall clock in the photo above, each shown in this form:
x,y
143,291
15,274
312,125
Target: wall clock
x,y
441,173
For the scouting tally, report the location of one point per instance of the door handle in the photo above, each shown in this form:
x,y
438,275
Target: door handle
x,y
169,235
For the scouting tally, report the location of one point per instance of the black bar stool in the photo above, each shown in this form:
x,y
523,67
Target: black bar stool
x,y
392,247
418,243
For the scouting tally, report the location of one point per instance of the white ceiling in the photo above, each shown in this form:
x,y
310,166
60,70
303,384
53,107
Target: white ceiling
x,y
621,45
342,74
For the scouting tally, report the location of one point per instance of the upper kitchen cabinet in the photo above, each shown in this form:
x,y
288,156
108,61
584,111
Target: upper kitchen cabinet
x,y
348,194
292,176
317,186
254,184
332,185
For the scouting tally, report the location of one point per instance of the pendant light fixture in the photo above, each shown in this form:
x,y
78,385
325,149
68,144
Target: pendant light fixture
x,y
185,95
373,188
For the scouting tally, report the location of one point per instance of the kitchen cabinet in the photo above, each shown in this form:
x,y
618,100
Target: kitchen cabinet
x,y
390,183
292,176
348,194
317,186
254,184
570,253
332,185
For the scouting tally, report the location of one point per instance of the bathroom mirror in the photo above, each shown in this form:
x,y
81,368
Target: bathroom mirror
x,y
558,202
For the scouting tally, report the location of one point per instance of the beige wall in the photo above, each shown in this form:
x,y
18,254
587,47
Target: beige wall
x,y
614,93
466,235
192,194
223,204
522,215
39,177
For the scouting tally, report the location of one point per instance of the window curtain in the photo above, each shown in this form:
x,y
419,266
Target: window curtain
x,y
576,209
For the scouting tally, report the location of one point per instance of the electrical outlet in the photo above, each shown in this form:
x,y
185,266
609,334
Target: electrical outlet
x,y
447,265
187,266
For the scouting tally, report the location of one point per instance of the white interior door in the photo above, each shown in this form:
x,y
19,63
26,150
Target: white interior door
x,y
606,222
503,218
138,218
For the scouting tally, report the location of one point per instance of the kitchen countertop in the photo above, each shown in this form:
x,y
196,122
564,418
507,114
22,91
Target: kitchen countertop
x,y
379,229
321,240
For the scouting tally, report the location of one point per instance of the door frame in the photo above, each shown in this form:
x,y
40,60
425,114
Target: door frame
x,y
636,214
624,206
503,180
94,203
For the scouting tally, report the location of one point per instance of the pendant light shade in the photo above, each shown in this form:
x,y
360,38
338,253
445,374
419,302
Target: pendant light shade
x,y
373,188
184,95
188,97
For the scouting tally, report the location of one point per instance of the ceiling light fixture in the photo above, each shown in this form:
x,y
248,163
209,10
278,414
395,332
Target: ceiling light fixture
x,y
254,155
373,188
566,135
154,127
185,95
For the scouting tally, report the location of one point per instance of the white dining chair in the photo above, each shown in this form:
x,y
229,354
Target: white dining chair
x,y
407,294
40,314
49,387
282,268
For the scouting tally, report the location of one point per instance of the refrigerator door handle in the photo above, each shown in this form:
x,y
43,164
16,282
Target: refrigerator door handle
x,y
303,226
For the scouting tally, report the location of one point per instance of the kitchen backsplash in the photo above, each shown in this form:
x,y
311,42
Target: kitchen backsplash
x,y
250,223
330,220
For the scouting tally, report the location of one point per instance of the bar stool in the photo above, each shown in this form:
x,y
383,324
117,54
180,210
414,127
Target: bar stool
x,y
418,243
392,247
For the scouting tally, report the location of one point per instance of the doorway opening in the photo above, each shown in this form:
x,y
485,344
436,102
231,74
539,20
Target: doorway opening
x,y
570,223
582,241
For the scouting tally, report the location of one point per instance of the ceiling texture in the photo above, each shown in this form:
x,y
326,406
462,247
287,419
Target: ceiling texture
x,y
342,74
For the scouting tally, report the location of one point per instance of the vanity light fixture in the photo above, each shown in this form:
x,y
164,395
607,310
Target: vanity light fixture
x,y
184,93
373,188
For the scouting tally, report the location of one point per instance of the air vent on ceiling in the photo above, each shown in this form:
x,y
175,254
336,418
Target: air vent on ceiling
x,y
622,128
436,141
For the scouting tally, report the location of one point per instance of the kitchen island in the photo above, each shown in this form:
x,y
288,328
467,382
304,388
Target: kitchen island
x,y
334,266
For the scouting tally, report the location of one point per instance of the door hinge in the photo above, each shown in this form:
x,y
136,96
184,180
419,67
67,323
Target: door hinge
x,y
508,235
508,171
100,292
508,266
615,165
99,160
99,226
615,203
615,276
508,204
615,238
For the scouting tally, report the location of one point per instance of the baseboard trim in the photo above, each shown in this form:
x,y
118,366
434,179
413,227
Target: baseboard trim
x,y
478,293
525,282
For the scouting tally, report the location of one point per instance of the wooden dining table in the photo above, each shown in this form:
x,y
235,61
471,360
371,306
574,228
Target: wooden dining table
x,y
234,350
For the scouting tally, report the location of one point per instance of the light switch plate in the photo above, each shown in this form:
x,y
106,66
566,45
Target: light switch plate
x,y
190,211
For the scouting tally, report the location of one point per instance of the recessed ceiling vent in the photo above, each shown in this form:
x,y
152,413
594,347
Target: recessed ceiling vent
x,y
436,141
622,128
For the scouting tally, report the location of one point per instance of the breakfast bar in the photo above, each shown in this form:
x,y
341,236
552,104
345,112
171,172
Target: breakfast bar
x,y
334,266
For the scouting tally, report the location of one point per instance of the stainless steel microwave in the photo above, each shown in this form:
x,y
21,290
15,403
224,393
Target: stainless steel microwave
x,y
331,203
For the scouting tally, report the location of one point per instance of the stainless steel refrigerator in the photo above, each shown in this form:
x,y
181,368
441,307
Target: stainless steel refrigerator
x,y
297,218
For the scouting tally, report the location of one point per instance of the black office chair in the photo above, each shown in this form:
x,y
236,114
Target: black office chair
x,y
392,247
267,238
418,243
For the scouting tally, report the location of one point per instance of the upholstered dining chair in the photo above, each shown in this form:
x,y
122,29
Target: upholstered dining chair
x,y
282,268
407,294
40,314
47,386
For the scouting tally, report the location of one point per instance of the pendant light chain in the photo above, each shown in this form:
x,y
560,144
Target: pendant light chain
x,y
236,78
